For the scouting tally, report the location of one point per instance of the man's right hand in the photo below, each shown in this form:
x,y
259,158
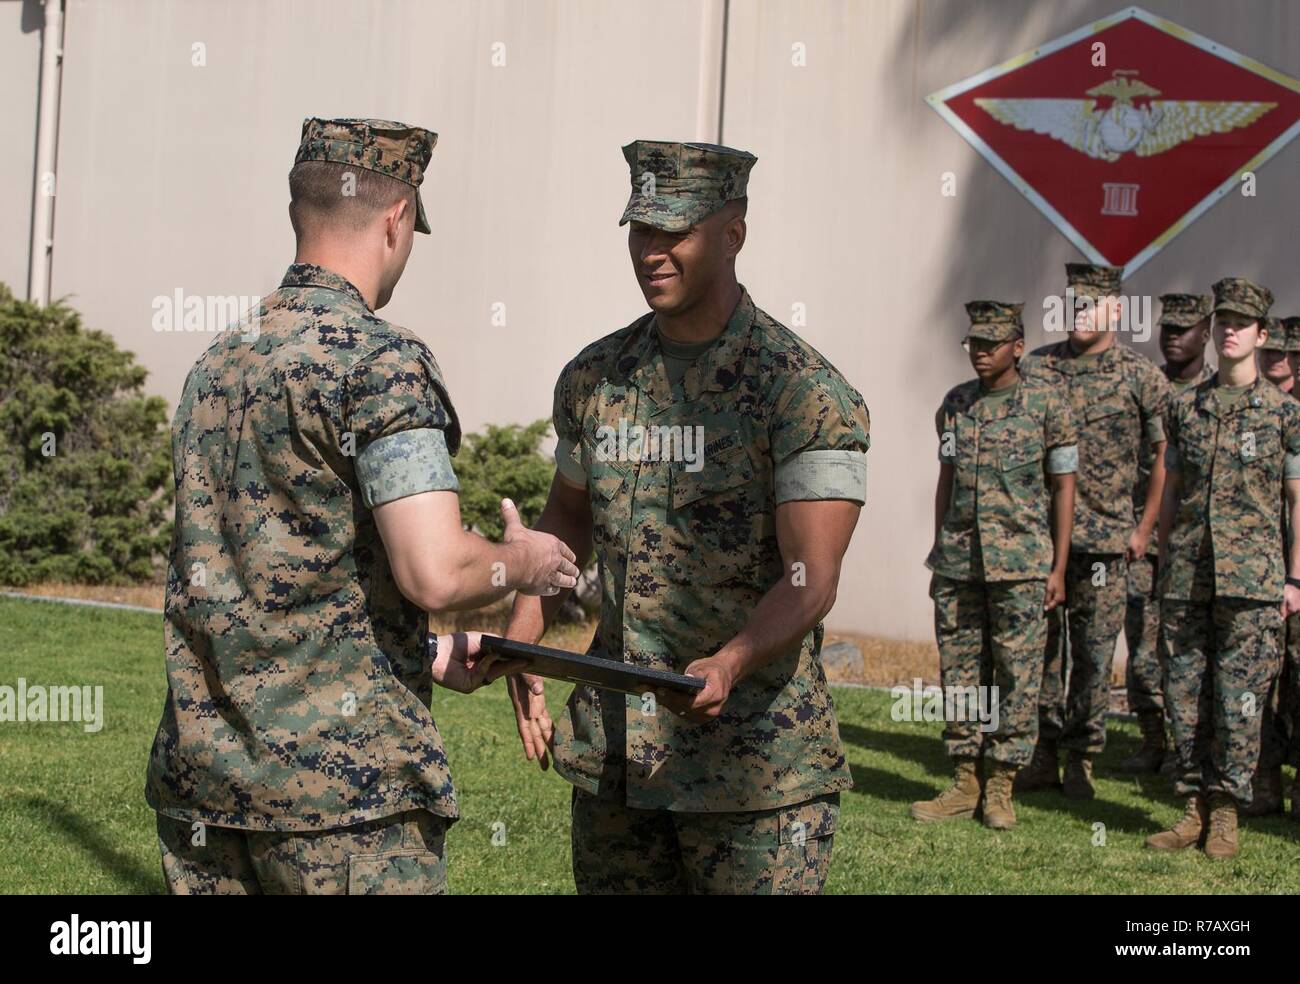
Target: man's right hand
x,y
531,717
544,564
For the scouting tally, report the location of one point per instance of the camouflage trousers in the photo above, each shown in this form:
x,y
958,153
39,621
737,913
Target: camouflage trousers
x,y
397,855
1223,657
619,850
1144,674
1278,728
991,634
1080,642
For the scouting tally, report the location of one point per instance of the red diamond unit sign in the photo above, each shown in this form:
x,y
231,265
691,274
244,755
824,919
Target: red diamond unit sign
x,y
1123,156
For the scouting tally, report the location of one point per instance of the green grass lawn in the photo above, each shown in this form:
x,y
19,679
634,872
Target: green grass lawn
x,y
73,817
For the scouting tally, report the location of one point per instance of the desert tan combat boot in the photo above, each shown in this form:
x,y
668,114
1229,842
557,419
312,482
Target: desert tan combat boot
x,y
958,801
1267,790
1221,842
1077,782
999,814
1187,832
1044,772
1151,754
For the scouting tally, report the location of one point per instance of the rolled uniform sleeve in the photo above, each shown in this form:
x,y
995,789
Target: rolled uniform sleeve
x,y
399,416
568,431
819,440
1061,438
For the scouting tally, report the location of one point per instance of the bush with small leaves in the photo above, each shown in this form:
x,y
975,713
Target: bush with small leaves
x,y
85,461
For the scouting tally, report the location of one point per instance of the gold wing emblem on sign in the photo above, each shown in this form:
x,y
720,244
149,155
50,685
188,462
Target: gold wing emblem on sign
x,y
1153,128
1178,122
1071,121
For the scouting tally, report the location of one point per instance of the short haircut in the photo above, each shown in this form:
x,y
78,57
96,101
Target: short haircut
x,y
316,195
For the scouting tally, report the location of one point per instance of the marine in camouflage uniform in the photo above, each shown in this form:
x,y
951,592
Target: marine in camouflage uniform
x,y
1003,446
1290,691
296,751
746,802
1118,400
1234,450
1184,331
1277,722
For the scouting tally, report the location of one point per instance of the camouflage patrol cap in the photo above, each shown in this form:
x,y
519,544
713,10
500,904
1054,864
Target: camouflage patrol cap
x,y
996,321
1242,296
1291,326
676,185
382,146
1090,280
1276,337
1185,310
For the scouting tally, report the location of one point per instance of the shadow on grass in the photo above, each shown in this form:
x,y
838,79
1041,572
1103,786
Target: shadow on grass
x,y
888,785
913,746
927,750
84,834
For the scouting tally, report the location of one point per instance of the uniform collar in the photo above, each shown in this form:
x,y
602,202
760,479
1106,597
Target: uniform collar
x,y
1012,405
311,275
719,369
1253,398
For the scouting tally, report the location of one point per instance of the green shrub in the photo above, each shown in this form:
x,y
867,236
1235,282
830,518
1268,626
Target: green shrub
x,y
85,461
503,463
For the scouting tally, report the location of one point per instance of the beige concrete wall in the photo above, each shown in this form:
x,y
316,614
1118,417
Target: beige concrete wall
x,y
173,176
20,76
176,175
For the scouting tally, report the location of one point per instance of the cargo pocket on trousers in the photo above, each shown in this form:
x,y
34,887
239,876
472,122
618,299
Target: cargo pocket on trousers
x,y
397,873
804,842
808,821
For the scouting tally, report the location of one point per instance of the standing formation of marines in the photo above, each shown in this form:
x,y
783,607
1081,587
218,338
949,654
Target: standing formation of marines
x,y
1207,609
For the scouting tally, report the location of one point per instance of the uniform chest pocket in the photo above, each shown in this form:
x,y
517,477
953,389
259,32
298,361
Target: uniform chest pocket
x,y
1258,444
1022,456
718,476
607,469
1103,409
1194,437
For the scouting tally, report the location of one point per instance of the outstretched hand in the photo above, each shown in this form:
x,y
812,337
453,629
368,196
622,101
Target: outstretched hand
x,y
458,666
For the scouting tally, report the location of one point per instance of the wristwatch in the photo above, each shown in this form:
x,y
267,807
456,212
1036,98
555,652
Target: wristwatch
x,y
430,647
1293,581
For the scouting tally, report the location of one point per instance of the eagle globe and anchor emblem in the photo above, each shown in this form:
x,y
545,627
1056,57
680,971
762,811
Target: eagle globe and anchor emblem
x,y
1124,126
1082,142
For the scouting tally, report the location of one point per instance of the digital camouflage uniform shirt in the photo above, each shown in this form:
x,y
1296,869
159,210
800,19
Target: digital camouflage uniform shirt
x,y
297,693
1118,400
998,525
686,548
1147,456
1233,455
